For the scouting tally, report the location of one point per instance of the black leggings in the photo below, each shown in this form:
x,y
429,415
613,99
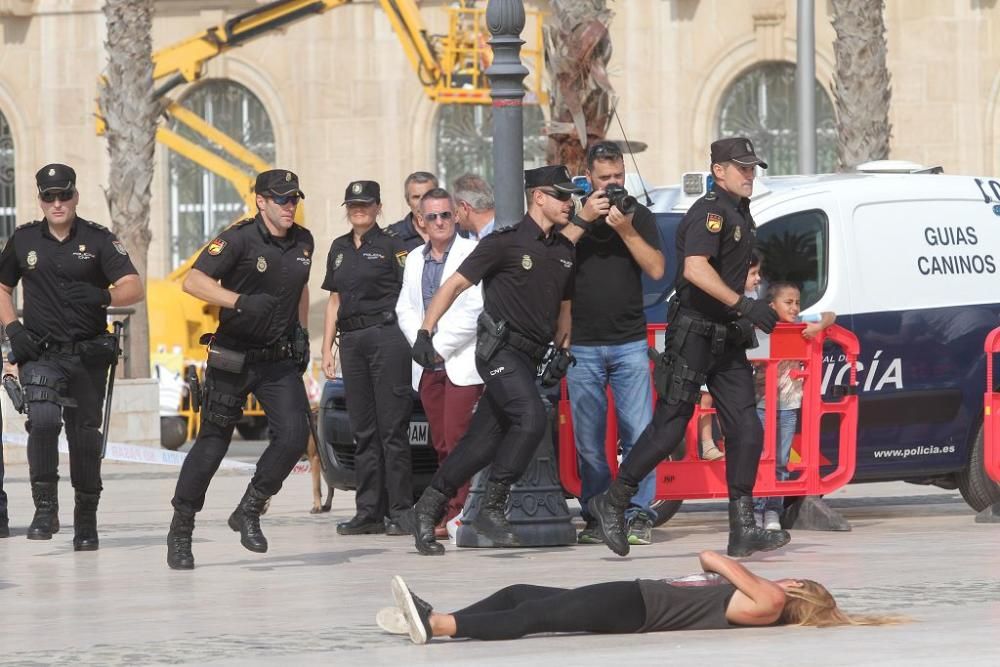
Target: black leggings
x,y
609,608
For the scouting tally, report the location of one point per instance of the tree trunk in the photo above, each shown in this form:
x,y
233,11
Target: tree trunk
x,y
577,50
861,88
128,107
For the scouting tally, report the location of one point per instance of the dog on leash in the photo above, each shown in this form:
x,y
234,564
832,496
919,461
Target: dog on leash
x,y
316,468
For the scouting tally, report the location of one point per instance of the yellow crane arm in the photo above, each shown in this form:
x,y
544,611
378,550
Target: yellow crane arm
x,y
406,21
185,62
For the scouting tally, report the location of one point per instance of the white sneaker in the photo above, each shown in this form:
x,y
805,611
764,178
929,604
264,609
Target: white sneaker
x,y
771,520
392,621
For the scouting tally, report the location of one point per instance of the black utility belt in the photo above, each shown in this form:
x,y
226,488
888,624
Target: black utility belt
x,y
233,361
718,333
101,346
495,334
356,322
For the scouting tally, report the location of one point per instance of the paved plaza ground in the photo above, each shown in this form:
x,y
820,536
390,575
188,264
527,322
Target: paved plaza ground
x,y
312,598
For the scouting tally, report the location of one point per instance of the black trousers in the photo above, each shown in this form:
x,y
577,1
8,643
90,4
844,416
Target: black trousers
x,y
279,389
611,608
730,382
506,428
377,383
3,494
48,381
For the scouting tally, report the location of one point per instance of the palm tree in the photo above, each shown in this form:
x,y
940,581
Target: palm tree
x,y
128,108
861,88
577,49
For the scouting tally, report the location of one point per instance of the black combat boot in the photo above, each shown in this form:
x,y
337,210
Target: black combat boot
x,y
85,521
430,509
744,535
46,519
179,556
609,509
245,520
492,518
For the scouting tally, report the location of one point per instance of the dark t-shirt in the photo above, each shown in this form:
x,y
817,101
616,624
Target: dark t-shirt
x,y
719,226
671,607
526,275
367,278
607,301
247,259
90,254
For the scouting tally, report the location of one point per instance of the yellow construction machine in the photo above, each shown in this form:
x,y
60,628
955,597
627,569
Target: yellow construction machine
x,y
449,67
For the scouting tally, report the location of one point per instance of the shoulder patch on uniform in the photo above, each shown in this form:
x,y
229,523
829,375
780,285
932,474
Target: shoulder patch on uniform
x,y
713,223
120,247
401,257
217,246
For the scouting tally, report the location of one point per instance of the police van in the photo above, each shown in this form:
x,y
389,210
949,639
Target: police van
x,y
908,259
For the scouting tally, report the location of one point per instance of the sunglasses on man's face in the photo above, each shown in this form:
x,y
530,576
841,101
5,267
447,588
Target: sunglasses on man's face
x,y
444,215
61,195
556,194
281,200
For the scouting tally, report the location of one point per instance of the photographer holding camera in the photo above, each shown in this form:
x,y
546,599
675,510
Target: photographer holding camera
x,y
616,242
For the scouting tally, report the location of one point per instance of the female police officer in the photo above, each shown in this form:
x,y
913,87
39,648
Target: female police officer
x,y
364,273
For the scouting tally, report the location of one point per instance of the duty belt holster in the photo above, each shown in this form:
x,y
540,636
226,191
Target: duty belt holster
x,y
223,358
490,336
38,387
220,408
357,322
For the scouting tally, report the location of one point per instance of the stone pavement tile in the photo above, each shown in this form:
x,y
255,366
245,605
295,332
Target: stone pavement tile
x,y
312,598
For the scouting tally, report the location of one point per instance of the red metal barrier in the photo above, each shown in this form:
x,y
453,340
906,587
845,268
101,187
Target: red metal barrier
x,y
991,410
691,477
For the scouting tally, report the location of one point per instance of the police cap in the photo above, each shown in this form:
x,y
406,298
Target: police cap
x,y
279,182
735,149
363,192
555,176
54,178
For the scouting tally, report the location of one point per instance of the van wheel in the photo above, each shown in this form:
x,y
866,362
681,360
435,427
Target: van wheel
x,y
665,510
974,484
173,432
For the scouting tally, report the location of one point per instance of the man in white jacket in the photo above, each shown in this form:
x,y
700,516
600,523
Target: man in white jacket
x,y
448,391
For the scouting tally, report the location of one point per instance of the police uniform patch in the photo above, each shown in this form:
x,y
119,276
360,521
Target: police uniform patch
x,y
52,172
288,177
338,260
119,247
401,257
261,264
356,189
83,248
32,258
526,262
216,247
737,235
713,223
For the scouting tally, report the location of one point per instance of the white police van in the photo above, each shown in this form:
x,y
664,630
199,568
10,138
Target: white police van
x,y
909,260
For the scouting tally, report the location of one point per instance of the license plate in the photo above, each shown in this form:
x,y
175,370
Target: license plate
x,y
418,433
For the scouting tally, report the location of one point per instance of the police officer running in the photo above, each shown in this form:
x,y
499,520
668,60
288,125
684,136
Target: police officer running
x,y
63,350
527,274
710,326
257,273
364,273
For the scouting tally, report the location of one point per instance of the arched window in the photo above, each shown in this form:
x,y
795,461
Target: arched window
x,y
202,203
8,204
761,105
464,140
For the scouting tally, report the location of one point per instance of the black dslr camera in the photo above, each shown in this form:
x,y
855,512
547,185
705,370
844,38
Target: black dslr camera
x,y
621,199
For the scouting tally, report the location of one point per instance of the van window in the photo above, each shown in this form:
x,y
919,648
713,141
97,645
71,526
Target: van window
x,y
795,248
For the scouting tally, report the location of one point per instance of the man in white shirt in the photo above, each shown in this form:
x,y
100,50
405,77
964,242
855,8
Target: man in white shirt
x,y
450,390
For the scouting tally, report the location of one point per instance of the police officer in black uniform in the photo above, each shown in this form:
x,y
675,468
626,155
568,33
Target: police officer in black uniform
x,y
415,187
63,349
257,272
710,326
527,274
364,273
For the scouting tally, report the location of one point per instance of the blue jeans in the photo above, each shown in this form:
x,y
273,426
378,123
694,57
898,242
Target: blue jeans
x,y
625,368
786,432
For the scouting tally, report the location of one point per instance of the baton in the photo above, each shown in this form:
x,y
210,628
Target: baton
x,y
117,327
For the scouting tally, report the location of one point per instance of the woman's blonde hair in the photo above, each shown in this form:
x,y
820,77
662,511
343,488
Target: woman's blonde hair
x,y
813,605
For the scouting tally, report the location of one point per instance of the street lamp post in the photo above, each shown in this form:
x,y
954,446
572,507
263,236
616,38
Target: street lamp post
x,y
538,512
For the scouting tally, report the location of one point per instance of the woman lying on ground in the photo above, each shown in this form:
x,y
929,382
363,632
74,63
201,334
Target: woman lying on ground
x,y
735,598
